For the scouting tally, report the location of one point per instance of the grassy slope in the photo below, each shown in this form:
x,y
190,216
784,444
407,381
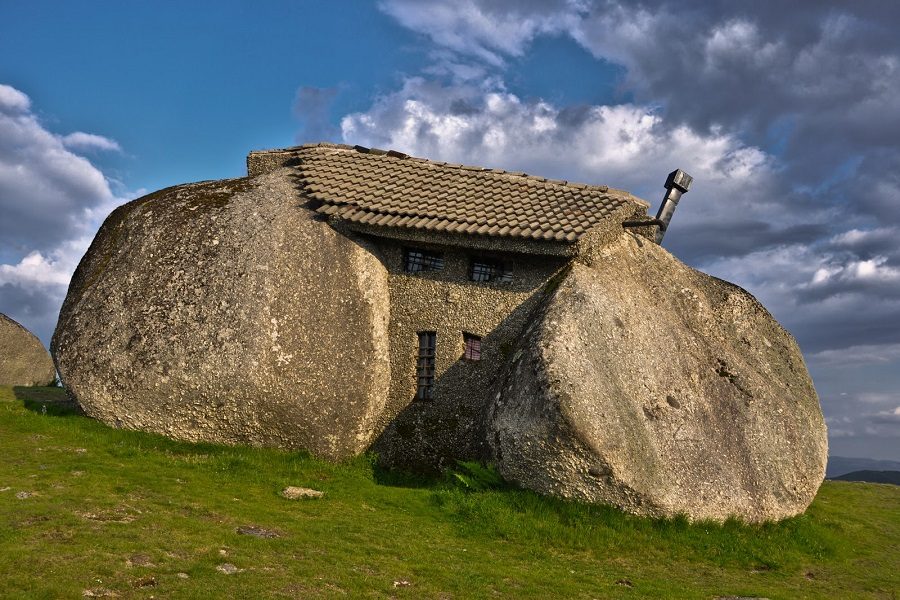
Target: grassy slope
x,y
101,496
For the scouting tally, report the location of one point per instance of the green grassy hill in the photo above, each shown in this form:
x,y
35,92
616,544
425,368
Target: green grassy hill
x,y
86,510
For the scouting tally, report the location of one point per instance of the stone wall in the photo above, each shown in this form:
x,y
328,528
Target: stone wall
x,y
427,434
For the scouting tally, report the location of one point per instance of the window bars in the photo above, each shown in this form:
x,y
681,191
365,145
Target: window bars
x,y
418,261
483,270
425,365
473,347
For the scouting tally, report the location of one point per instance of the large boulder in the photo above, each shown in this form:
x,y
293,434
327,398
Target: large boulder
x,y
23,358
659,389
225,311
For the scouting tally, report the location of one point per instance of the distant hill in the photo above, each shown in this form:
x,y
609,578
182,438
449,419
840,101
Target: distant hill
x,y
872,476
841,465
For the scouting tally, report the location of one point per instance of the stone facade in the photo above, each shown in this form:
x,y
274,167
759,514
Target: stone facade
x,y
428,434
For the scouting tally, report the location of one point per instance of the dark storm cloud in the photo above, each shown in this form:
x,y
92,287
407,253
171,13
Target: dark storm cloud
x,y
813,84
698,242
786,113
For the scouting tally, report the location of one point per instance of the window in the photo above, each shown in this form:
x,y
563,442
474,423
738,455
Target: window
x,y
473,347
425,365
418,261
483,269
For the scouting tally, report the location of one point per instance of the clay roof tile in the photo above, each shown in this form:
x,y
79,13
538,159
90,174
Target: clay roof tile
x,y
390,189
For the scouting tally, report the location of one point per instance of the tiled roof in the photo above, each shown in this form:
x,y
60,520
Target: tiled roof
x,y
390,189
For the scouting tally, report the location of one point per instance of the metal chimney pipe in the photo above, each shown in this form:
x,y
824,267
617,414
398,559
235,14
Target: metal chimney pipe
x,y
677,183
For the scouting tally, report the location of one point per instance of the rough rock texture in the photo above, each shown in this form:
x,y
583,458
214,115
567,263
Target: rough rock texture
x,y
224,311
656,388
23,358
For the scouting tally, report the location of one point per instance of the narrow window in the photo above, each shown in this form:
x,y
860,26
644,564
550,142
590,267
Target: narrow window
x,y
473,347
425,365
418,261
483,269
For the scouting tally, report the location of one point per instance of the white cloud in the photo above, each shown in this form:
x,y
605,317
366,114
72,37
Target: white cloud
x,y
785,115
44,187
624,145
89,141
52,201
12,100
37,269
471,28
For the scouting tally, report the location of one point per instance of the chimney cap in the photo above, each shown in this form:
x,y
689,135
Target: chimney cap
x,y
679,179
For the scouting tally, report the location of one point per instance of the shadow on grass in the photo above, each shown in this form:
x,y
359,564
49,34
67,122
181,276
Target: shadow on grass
x,y
465,475
403,479
52,401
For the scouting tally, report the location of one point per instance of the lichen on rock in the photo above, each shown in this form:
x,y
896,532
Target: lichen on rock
x,y
224,311
659,389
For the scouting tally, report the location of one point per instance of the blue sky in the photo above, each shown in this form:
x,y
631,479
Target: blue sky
x,y
784,113
185,88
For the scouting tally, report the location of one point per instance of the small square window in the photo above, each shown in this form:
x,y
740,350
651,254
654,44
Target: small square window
x,y
473,347
419,261
482,269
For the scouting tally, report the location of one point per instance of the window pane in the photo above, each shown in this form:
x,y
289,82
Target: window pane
x,y
425,365
417,261
489,270
473,347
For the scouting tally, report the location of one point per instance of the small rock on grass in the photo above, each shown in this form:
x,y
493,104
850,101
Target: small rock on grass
x,y
261,532
145,581
228,569
139,560
295,493
99,593
24,495
182,575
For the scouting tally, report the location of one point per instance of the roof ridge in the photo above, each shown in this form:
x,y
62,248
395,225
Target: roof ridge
x,y
307,146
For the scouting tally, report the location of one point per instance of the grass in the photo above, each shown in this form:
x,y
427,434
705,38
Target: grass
x,y
90,510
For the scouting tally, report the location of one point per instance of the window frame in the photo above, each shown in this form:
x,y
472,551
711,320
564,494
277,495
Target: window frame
x,y
428,261
496,269
472,347
426,359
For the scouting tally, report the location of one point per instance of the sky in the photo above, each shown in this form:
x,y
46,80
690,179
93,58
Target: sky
x,y
785,113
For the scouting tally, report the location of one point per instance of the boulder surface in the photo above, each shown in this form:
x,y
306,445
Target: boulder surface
x,y
23,358
656,388
224,311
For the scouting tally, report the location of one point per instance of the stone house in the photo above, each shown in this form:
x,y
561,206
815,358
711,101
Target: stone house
x,y
341,299
469,252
